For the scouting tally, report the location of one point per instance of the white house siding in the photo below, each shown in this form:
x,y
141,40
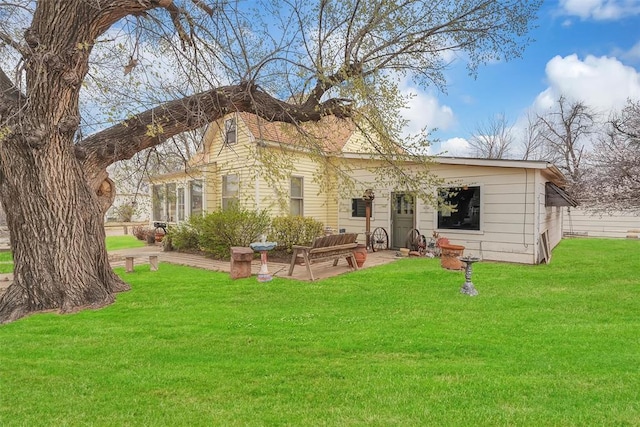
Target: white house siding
x,y
580,222
380,214
507,212
508,230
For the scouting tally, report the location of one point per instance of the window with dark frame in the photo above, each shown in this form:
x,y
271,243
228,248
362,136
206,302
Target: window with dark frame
x,y
358,208
459,208
230,131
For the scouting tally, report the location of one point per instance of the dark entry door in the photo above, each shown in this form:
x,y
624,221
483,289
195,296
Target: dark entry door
x,y
402,218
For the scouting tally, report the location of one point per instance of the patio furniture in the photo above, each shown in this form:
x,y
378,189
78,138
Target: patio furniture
x,y
325,248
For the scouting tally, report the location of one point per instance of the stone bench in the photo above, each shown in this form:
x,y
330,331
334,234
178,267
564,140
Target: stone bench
x,y
128,261
325,248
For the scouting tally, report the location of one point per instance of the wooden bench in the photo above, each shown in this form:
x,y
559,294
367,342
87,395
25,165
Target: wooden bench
x,y
128,262
325,248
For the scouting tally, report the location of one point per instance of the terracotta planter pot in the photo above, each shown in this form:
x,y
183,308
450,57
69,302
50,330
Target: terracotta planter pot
x,y
360,253
449,257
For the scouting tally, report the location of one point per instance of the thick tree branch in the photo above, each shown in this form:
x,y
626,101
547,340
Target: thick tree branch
x,y
9,41
154,126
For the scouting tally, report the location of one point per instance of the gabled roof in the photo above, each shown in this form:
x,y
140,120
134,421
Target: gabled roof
x,y
331,133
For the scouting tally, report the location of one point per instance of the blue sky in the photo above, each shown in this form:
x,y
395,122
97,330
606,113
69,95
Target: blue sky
x,y
584,49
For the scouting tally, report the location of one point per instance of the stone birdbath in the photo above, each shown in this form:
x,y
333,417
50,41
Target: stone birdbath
x,y
263,247
468,287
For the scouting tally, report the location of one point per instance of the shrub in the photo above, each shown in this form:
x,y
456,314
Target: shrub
x,y
140,232
235,226
185,236
125,212
294,230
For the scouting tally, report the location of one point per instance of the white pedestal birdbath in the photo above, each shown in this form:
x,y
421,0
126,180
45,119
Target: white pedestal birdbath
x,y
263,247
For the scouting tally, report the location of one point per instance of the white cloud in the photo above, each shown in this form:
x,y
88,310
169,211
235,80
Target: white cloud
x,y
424,111
600,9
603,83
633,54
455,147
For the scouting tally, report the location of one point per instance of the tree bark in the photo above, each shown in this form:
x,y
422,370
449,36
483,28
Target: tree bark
x,y
54,217
57,235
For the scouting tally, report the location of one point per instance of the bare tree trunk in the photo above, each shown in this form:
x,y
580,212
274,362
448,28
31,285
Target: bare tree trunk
x,y
57,235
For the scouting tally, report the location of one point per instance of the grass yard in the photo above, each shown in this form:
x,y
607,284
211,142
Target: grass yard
x,y
123,242
6,262
395,345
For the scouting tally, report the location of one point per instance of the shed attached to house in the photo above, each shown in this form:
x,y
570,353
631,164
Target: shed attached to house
x,y
501,210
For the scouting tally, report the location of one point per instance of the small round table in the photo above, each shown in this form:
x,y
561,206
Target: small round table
x,y
468,287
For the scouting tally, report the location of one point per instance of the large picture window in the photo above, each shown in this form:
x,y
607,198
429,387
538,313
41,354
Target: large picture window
x,y
169,201
230,186
459,208
297,196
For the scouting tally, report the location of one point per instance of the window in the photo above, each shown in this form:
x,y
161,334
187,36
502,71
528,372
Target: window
x,y
296,207
229,190
168,201
195,196
230,131
459,208
404,204
180,204
358,208
158,202
171,202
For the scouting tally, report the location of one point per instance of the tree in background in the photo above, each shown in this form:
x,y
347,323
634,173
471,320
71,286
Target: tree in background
x,y
492,139
627,123
612,178
294,62
565,131
532,143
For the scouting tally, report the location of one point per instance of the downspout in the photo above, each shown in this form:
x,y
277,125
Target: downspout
x,y
536,220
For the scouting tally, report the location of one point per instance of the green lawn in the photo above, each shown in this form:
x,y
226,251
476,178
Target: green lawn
x,y
6,262
123,242
395,345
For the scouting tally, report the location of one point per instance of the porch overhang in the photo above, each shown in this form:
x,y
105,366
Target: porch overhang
x,y
556,196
